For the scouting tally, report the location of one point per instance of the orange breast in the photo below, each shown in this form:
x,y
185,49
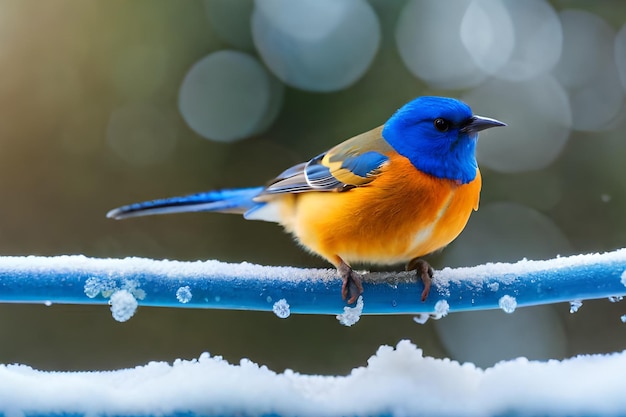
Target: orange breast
x,y
401,215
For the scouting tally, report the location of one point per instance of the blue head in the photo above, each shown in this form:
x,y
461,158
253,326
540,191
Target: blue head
x,y
438,135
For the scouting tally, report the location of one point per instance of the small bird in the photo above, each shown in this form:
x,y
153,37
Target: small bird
x,y
387,196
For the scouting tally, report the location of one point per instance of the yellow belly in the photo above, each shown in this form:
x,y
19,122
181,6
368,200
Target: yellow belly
x,y
403,214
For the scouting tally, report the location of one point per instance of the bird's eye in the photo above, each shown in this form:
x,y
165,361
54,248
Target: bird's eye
x,y
442,125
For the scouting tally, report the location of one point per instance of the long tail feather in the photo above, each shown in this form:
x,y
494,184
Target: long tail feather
x,y
237,200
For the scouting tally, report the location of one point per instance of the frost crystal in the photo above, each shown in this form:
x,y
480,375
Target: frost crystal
x,y
442,308
575,305
183,294
351,315
133,287
123,305
615,298
494,286
623,318
507,303
281,308
94,286
421,318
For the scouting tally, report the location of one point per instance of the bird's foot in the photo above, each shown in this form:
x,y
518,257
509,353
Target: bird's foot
x,y
352,286
424,272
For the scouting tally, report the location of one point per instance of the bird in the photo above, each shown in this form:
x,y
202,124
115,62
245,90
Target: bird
x,y
388,196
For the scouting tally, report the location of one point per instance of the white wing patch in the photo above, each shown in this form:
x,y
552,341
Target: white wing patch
x,y
269,212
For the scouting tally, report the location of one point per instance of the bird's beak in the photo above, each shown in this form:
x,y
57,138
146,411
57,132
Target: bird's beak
x,y
477,123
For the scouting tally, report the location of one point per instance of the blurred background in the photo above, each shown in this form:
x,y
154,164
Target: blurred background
x,y
104,103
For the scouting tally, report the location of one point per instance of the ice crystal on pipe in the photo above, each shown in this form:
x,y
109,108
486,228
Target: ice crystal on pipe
x,y
95,286
281,308
183,294
123,305
442,308
507,303
421,318
351,315
575,305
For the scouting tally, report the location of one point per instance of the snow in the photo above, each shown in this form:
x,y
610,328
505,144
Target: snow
x,y
575,305
95,286
442,308
507,303
421,318
351,315
281,309
183,294
615,298
123,305
397,381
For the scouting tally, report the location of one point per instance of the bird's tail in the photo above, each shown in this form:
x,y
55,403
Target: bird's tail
x,y
238,200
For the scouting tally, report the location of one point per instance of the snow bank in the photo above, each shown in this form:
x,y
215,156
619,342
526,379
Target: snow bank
x,y
396,382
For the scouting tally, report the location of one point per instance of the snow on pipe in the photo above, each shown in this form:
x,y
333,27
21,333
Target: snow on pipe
x,y
127,283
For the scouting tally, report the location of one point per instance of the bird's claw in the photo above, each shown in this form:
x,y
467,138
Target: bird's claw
x,y
352,287
424,272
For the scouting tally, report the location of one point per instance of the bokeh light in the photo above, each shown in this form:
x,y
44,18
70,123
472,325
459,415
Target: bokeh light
x,y
142,133
620,53
587,70
229,95
538,39
539,120
487,34
431,49
316,45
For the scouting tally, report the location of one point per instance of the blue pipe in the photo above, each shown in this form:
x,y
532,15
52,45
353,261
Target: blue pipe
x,y
212,284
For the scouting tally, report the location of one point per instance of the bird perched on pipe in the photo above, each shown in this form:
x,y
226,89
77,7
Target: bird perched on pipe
x,y
387,196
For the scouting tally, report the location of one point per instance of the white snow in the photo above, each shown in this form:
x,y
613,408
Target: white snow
x,y
395,382
281,308
421,318
123,305
509,272
183,294
99,286
615,298
575,305
351,315
442,308
507,303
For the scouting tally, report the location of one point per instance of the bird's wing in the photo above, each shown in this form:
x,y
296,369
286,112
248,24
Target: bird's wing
x,y
353,163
